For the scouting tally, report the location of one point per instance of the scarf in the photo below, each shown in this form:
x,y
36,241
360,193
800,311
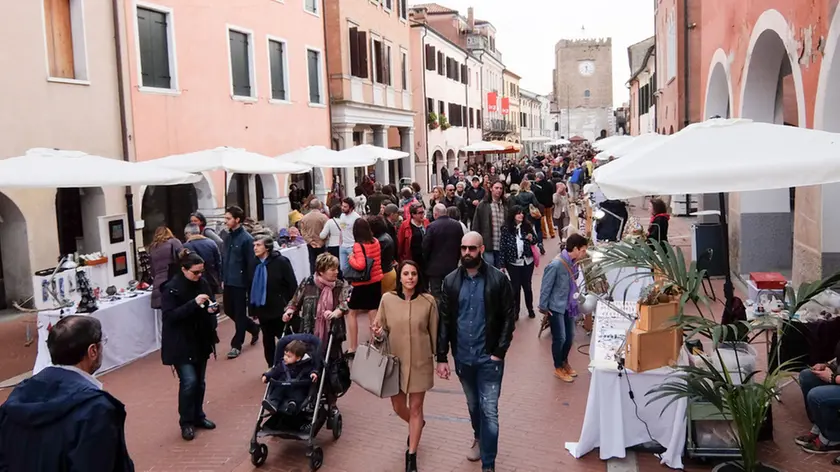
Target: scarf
x,y
572,304
663,215
259,283
325,303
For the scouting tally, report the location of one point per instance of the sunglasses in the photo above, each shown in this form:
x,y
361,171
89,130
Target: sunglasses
x,y
469,248
420,212
196,272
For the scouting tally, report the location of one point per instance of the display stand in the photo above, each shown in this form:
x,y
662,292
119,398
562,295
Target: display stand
x,y
117,246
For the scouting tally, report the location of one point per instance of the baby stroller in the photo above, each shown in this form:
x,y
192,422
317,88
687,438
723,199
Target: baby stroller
x,y
314,412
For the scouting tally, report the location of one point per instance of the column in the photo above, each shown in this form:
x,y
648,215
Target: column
x,y
348,177
321,190
276,212
407,145
252,196
380,138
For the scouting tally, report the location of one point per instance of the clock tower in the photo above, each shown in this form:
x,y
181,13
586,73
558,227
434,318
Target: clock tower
x,y
583,73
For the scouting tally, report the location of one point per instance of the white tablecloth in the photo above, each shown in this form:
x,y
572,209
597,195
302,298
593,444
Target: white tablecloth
x,y
131,326
299,257
611,421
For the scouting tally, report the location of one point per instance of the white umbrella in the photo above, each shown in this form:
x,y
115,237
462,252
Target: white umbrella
x,y
54,168
483,146
559,142
725,155
364,151
228,159
637,144
608,143
536,139
319,156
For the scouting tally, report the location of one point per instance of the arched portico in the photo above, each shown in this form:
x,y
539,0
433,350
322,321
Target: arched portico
x,y
171,206
718,103
15,271
259,195
762,222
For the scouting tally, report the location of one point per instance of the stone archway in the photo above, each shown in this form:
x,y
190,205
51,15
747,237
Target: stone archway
x,y
438,163
172,205
718,88
15,270
451,162
824,216
761,235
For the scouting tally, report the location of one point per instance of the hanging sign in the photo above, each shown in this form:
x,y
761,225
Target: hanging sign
x,y
505,106
491,102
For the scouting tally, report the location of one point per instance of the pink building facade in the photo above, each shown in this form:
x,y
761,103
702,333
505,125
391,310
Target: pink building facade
x,y
250,74
773,61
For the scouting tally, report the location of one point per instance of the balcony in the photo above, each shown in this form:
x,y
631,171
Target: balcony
x,y
498,126
477,42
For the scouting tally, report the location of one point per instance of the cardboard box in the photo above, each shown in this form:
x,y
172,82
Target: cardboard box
x,y
657,317
768,280
648,350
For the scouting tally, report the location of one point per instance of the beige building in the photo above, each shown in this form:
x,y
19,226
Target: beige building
x,y
368,66
63,94
510,92
583,87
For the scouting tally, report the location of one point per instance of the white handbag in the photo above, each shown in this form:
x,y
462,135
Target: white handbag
x,y
376,370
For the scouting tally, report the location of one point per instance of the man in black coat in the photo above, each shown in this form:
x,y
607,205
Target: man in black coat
x,y
441,248
61,419
472,197
452,200
271,292
544,191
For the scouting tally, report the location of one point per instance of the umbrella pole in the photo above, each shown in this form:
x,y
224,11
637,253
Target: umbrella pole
x,y
728,288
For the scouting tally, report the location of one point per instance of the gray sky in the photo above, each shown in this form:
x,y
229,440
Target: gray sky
x,y
527,31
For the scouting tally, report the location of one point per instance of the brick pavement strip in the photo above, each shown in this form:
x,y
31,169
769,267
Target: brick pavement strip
x,y
538,414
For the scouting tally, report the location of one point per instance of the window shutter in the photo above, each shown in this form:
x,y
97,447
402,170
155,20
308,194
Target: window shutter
x,y
464,116
314,80
59,38
430,58
278,75
363,54
456,70
239,64
465,76
354,52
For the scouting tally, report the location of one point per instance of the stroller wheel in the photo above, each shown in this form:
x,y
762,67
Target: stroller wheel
x,y
316,458
335,425
259,455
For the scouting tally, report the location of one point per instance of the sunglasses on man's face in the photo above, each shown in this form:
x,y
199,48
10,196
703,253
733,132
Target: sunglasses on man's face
x,y
469,248
420,212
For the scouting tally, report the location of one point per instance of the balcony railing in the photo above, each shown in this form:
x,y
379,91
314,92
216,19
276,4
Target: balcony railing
x,y
480,42
498,126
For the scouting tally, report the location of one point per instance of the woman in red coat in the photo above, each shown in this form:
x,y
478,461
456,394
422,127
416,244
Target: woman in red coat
x,y
365,296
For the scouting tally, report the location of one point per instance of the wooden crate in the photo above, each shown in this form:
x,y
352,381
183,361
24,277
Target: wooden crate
x,y
648,350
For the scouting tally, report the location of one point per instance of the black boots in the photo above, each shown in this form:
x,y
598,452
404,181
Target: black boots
x,y
410,462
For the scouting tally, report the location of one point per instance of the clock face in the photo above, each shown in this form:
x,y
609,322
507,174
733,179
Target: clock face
x,y
586,68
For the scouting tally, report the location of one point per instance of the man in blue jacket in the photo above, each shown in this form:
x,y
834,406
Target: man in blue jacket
x,y
61,419
237,260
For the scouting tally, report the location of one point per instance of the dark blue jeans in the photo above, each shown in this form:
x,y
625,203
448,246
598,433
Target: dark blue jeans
x,y
191,392
822,404
562,337
482,383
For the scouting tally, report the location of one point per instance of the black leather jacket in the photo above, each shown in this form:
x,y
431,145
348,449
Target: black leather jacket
x,y
388,251
499,315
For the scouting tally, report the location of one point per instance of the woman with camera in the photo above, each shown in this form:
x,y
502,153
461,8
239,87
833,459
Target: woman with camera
x,y
189,337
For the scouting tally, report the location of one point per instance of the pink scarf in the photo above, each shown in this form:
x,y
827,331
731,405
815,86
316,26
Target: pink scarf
x,y
325,303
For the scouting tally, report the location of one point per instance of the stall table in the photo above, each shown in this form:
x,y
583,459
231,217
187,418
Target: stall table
x,y
299,257
130,327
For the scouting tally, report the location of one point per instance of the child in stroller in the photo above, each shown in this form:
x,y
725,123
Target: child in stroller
x,y
297,363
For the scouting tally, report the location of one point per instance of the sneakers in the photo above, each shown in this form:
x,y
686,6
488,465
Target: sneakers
x,y
818,447
561,374
474,454
806,439
234,353
569,370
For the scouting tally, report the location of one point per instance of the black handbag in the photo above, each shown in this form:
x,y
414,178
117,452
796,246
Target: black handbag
x,y
353,275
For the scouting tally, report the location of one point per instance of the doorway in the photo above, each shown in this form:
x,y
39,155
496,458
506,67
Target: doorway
x,y
77,212
168,205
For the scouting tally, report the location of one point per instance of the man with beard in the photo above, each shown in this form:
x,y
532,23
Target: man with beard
x,y
452,200
477,322
61,419
489,219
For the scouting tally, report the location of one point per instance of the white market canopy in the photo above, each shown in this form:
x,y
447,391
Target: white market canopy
x,y
725,155
368,151
608,143
228,159
483,146
55,168
320,156
536,139
636,144
559,142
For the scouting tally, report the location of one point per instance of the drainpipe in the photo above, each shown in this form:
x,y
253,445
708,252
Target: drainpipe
x,y
328,101
429,165
467,94
129,195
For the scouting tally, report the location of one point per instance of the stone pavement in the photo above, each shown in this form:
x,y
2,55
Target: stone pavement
x,y
538,413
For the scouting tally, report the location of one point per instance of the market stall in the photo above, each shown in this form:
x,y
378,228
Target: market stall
x,y
299,257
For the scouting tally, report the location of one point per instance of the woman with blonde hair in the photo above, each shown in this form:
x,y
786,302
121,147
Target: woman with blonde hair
x,y
435,198
408,318
163,257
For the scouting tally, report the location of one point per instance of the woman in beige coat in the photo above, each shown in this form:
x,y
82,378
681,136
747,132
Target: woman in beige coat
x,y
408,317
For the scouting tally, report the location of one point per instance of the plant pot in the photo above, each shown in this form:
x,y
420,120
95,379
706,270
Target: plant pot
x,y
734,467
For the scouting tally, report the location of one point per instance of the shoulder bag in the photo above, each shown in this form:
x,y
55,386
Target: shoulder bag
x,y
353,275
376,370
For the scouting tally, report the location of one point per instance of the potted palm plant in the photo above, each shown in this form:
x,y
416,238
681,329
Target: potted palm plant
x,y
741,398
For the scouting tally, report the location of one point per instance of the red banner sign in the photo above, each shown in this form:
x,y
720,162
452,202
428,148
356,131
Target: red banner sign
x,y
506,106
491,102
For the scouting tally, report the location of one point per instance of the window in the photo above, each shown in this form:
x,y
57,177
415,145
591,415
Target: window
x,y
387,65
403,6
240,64
586,93
153,41
478,118
465,76
388,4
65,38
380,66
441,65
277,69
311,6
431,63
472,118
430,105
313,62
404,56
358,53
441,108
